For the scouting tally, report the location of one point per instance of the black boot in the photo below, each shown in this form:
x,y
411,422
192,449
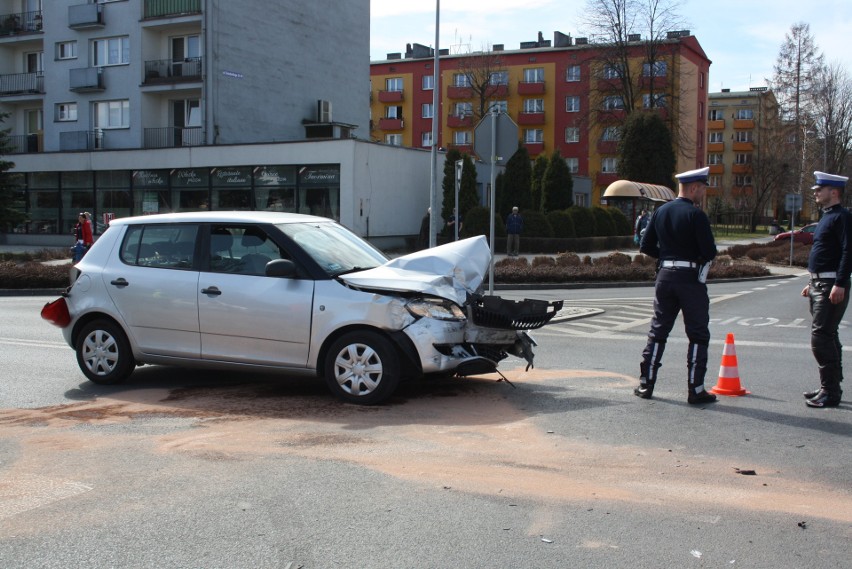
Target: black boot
x,y
699,397
696,365
811,394
824,399
645,389
651,357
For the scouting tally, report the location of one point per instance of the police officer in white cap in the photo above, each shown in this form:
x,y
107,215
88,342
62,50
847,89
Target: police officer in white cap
x,y
829,264
679,236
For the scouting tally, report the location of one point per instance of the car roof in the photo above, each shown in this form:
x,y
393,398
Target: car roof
x,y
222,217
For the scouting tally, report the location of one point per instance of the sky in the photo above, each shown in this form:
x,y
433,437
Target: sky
x,y
742,38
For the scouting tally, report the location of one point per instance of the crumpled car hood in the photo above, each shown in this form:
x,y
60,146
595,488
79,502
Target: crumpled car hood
x,y
448,271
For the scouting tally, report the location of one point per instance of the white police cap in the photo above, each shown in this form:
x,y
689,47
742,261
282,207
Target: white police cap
x,y
699,175
832,180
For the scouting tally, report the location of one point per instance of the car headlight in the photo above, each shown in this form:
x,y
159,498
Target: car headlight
x,y
438,309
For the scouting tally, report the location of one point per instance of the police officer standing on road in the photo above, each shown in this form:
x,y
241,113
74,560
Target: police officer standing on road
x,y
829,264
679,236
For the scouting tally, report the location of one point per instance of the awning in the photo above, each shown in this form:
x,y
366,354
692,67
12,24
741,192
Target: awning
x,y
628,189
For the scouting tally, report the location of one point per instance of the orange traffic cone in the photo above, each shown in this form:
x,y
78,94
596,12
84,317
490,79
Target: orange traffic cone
x,y
729,375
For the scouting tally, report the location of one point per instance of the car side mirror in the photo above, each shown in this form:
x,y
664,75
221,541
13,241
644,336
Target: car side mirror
x,y
281,268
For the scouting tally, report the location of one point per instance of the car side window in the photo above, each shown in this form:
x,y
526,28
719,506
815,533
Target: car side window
x,y
243,250
160,246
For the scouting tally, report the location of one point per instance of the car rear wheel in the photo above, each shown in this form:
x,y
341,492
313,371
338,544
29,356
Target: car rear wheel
x,y
362,368
103,353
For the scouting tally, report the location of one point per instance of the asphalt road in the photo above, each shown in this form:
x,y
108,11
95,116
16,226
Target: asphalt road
x,y
565,469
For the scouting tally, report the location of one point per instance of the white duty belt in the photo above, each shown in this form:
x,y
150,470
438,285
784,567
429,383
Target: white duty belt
x,y
680,264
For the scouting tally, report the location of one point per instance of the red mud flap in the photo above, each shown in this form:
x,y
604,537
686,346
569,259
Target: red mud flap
x,y
56,312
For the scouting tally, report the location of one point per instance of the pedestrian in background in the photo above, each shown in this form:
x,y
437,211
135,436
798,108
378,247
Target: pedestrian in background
x,y
423,237
514,228
83,238
829,264
679,236
451,225
641,224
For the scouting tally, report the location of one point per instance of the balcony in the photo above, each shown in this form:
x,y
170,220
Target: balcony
x,y
501,90
530,118
457,92
536,88
741,169
716,125
534,148
165,8
83,16
161,71
743,146
20,23
86,79
717,168
744,124
390,96
607,146
173,137
463,148
81,140
460,121
21,84
386,123
25,144
605,178
715,147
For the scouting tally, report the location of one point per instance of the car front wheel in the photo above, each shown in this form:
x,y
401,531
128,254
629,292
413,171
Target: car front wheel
x,y
103,353
362,368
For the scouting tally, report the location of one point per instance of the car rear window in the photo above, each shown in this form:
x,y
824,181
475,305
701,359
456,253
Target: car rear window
x,y
162,246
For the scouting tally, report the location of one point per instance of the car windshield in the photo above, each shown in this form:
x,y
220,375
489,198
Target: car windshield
x,y
336,249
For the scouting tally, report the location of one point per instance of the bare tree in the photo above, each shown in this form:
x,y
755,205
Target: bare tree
x,y
486,76
832,110
772,168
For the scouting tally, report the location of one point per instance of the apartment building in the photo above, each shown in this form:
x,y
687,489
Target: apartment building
x,y
129,107
562,94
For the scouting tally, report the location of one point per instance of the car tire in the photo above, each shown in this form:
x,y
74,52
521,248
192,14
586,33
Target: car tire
x,y
362,368
103,353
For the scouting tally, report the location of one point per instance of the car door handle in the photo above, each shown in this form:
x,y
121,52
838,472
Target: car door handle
x,y
119,282
212,290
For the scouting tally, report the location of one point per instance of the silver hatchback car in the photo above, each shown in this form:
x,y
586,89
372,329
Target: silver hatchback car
x,y
289,293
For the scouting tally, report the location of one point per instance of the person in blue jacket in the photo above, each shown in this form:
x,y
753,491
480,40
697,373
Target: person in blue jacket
x,y
514,228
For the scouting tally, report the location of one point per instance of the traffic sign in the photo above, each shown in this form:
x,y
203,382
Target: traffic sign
x,y
506,138
793,202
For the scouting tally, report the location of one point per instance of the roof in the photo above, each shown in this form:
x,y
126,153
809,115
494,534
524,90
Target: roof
x,y
222,217
628,189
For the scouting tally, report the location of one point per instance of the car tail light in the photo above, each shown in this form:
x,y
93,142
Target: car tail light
x,y
56,312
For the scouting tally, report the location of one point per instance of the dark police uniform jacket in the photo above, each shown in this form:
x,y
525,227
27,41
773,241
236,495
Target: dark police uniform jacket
x,y
679,231
832,249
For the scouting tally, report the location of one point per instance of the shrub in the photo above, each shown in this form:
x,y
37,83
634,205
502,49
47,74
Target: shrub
x,y
543,261
476,223
622,224
561,222
615,259
32,274
536,225
568,260
584,221
604,226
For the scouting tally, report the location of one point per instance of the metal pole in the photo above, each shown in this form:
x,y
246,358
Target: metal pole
x,y
436,114
492,196
459,170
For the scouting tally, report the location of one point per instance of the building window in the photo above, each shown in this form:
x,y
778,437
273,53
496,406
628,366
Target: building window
x,y
499,78
743,181
535,75
700,139
111,51
112,114
533,105
393,112
743,158
572,73
572,104
716,137
713,181
660,68
573,167
533,135
66,112
612,103
572,134
393,139
701,80
426,110
428,82
426,138
701,109
611,133
580,200
745,114
745,136
499,106
393,84
609,165
659,101
66,50
715,115
462,138
612,72
462,110
461,80
714,158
